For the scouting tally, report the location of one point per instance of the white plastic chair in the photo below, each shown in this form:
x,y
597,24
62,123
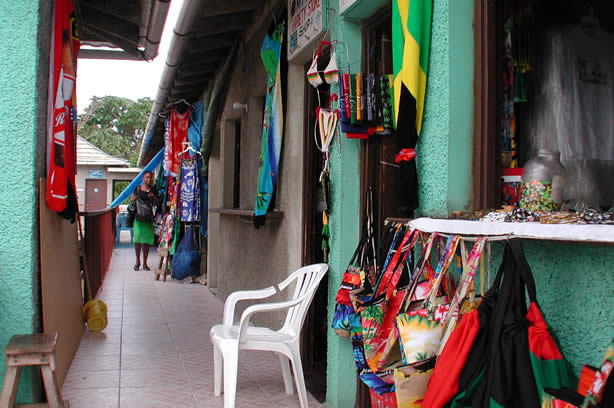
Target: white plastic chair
x,y
228,338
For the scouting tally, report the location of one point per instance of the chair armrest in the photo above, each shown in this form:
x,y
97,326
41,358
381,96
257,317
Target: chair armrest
x,y
265,307
236,297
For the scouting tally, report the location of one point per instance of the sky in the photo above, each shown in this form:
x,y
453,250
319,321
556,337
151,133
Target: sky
x,y
128,79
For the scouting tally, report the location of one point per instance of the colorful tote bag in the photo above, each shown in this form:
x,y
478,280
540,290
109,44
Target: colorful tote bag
x,y
411,381
379,335
420,329
512,358
356,277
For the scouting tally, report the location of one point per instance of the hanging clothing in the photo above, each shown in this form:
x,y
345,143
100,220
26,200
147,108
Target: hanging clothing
x,y
178,135
190,191
168,223
166,160
61,106
196,124
273,125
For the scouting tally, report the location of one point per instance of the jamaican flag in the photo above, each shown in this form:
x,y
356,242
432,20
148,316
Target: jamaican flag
x,y
411,41
411,37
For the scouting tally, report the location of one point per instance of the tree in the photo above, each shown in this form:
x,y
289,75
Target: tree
x,y
115,125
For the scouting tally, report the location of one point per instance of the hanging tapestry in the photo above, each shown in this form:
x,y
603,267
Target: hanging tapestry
x,y
61,106
190,191
272,126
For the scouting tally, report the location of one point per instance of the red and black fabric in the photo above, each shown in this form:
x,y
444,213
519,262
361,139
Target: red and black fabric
x,y
462,361
518,358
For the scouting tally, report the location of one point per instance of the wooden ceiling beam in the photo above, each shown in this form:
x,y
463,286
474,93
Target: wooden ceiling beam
x,y
216,8
121,9
210,43
209,26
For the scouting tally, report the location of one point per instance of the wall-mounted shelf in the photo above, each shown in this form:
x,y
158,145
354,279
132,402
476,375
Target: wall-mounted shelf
x,y
246,214
601,234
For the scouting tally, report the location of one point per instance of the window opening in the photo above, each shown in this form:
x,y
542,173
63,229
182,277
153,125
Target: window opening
x,y
236,191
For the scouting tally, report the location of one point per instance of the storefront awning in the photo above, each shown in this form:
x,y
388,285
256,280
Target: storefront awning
x,y
125,29
204,35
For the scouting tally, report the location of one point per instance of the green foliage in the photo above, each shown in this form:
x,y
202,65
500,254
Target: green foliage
x,y
118,187
116,125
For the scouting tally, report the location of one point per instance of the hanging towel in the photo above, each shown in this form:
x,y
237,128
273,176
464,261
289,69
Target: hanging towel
x,y
387,101
344,110
359,98
370,98
195,129
272,128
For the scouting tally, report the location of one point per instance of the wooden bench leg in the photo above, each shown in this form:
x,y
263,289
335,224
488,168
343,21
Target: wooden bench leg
x,y
166,262
54,395
9,390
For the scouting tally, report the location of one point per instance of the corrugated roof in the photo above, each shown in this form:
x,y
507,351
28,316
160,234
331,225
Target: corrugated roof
x,y
88,154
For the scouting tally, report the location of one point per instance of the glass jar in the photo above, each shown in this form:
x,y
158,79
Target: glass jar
x,y
543,182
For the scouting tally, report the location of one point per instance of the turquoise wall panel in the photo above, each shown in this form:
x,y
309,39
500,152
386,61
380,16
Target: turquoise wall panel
x,y
19,48
344,230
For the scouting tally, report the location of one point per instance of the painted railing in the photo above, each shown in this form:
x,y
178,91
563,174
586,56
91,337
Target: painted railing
x,y
99,230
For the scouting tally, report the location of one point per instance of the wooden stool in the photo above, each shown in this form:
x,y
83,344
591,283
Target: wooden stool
x,y
31,350
162,268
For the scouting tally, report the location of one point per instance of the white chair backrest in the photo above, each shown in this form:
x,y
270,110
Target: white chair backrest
x,y
307,280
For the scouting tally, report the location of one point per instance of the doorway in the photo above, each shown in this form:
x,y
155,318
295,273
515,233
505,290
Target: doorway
x,y
95,194
314,342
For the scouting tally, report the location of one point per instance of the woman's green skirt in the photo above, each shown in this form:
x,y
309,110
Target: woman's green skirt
x,y
143,232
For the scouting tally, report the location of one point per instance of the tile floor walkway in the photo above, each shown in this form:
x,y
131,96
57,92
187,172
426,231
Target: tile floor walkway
x,y
156,353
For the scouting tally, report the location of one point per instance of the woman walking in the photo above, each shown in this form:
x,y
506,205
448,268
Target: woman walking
x,y
146,199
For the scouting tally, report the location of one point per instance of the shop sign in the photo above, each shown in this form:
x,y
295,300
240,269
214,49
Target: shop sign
x,y
305,23
95,174
346,4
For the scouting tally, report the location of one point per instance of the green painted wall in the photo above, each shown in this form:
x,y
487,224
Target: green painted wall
x,y
20,76
445,145
340,374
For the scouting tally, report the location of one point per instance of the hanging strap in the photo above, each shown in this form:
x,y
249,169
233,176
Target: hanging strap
x,y
392,266
442,267
465,283
401,266
522,266
425,259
